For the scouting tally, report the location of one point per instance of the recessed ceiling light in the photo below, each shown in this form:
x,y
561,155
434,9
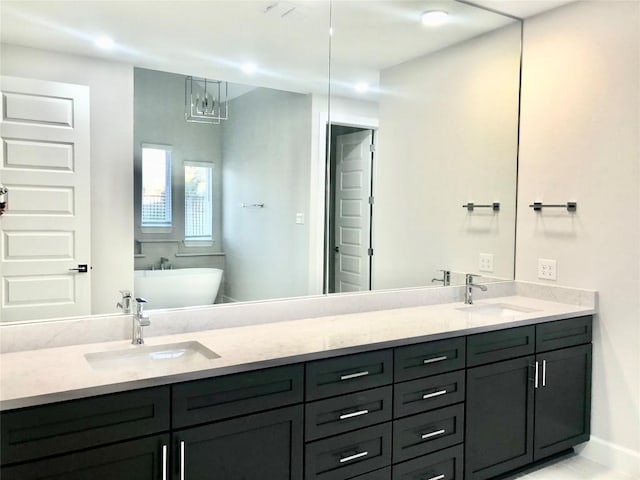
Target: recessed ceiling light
x,y
433,18
249,68
361,87
104,42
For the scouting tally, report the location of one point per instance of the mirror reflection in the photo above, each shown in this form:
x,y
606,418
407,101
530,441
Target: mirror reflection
x,y
439,106
304,183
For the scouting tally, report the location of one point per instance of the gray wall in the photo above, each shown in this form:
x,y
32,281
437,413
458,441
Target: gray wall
x,y
266,149
159,119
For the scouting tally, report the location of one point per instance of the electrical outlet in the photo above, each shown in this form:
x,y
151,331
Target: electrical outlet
x,y
300,218
486,262
547,269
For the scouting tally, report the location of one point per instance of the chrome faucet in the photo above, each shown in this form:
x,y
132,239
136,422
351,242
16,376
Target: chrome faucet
x,y
446,278
125,303
164,262
140,319
468,288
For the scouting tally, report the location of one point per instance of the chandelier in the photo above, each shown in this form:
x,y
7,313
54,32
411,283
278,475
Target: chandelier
x,y
205,101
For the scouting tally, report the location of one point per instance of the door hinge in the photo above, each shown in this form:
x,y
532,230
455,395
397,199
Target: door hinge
x,y
371,200
370,252
372,148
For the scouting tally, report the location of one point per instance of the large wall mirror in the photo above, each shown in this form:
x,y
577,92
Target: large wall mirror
x,y
252,150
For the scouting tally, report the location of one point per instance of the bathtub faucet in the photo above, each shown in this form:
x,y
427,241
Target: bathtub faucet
x,y
140,319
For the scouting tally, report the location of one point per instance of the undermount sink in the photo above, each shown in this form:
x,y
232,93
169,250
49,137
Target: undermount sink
x,y
496,309
152,356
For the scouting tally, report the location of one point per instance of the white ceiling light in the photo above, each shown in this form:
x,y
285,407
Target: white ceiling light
x,y
434,18
361,87
249,68
104,42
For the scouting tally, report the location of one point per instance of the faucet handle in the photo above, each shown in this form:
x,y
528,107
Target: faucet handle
x,y
143,317
125,293
140,305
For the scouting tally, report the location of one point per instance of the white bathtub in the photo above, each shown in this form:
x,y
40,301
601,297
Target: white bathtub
x,y
182,287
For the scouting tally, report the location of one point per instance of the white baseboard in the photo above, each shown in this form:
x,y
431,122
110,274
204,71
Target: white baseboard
x,y
620,459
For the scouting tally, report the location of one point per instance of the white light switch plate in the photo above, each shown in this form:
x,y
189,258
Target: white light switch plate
x,y
486,262
547,269
300,218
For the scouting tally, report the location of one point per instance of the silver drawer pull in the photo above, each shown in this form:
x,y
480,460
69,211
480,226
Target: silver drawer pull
x,y
432,434
434,359
353,457
182,461
439,477
344,416
354,375
164,462
434,394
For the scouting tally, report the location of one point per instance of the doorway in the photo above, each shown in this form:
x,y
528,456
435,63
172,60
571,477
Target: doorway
x,y
348,252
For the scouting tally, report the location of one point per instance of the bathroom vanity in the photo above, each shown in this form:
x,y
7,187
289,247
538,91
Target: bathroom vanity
x,y
433,392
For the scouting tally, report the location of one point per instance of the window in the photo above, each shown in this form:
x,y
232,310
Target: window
x,y
156,186
198,201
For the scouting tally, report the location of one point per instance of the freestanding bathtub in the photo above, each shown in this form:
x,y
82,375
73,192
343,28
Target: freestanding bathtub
x,y
182,287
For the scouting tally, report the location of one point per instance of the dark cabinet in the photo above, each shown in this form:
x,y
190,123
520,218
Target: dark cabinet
x,y
143,459
491,402
499,428
527,408
253,447
58,428
562,400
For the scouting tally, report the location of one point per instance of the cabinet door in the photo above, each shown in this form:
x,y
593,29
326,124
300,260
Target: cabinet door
x,y
254,447
563,400
499,428
144,459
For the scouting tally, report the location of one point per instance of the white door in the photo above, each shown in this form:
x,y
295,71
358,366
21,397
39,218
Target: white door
x,y
45,232
353,218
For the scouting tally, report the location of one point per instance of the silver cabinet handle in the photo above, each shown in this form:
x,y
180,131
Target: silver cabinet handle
x,y
182,460
432,434
544,373
353,457
434,359
344,416
536,377
438,477
354,375
434,394
164,462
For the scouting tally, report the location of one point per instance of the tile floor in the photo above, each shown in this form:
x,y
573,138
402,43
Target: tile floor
x,y
573,467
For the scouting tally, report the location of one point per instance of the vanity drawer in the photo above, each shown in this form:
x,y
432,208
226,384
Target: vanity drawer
x,y
428,432
500,345
347,412
430,358
349,454
57,428
382,474
563,333
428,393
216,398
350,373
443,465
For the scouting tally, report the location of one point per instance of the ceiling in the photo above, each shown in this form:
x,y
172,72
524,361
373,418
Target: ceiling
x,y
288,41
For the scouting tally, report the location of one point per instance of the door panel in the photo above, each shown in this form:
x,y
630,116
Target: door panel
x,y
499,428
44,163
255,447
353,178
563,400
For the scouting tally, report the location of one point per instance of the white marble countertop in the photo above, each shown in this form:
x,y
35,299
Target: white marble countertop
x,y
55,374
